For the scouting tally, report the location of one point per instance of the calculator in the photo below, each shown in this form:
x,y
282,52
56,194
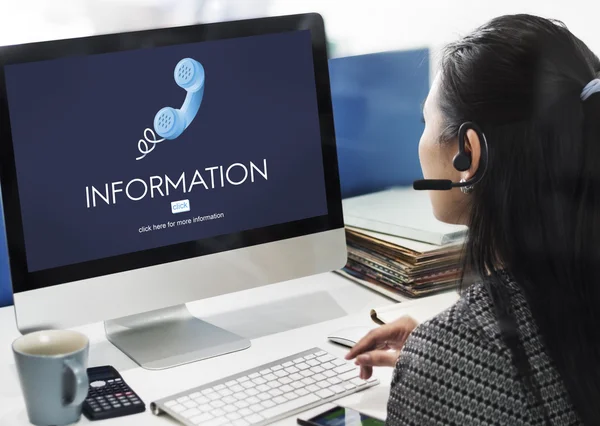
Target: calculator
x,y
109,396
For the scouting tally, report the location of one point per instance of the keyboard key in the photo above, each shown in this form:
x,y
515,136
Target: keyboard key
x,y
240,422
268,403
348,376
292,370
337,389
325,358
275,384
245,412
195,395
313,388
252,392
302,366
313,362
230,383
236,388
279,399
213,396
254,418
216,422
248,384
188,414
324,393
229,400
329,373
317,370
275,392
328,366
257,408
281,373
319,377
302,392
233,416
259,381
297,385
290,395
207,391
253,400
287,364
219,387
306,373
205,408
334,381
320,353
358,382
296,377
178,408
264,396
217,404
225,392
243,379
270,377
339,362
190,404
276,368
218,412
202,400
230,409
324,384
241,404
286,388
265,372
307,357
254,375
288,406
180,400
344,368
201,418
240,396
285,380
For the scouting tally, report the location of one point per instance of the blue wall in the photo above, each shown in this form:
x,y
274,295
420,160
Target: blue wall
x,y
377,100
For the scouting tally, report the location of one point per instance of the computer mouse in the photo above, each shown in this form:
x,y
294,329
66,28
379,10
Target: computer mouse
x,y
349,336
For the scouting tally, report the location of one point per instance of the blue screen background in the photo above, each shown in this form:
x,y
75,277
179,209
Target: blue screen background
x,y
77,121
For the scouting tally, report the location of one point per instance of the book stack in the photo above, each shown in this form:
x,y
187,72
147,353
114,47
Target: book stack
x,y
397,247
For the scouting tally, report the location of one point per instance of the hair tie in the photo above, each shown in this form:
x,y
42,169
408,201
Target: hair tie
x,y
591,88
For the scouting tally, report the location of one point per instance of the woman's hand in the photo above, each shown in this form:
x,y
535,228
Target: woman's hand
x,y
381,346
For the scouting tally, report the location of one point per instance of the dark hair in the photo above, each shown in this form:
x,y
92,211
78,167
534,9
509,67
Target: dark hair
x,y
537,210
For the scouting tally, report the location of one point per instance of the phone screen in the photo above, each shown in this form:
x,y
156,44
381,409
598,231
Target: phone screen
x,y
340,416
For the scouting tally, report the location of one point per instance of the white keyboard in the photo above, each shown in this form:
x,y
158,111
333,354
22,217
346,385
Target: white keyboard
x,y
267,393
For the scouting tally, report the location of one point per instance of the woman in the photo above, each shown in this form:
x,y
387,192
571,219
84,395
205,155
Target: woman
x,y
522,346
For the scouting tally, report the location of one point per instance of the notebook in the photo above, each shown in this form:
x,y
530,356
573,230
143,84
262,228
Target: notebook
x,y
401,212
421,310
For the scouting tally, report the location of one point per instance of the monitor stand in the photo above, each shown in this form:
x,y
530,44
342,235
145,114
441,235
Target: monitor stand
x,y
170,337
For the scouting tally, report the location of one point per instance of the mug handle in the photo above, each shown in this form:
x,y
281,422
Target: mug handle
x,y
81,382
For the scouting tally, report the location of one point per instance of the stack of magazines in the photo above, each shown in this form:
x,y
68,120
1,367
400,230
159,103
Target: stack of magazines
x,y
403,252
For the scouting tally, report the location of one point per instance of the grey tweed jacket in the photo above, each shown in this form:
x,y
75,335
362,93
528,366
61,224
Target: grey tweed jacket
x,y
456,370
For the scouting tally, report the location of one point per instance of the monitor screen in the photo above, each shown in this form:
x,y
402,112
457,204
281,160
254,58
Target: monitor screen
x,y
105,168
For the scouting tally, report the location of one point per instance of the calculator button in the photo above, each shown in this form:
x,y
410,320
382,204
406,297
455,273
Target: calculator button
x,y
97,410
111,381
98,384
126,404
118,380
138,402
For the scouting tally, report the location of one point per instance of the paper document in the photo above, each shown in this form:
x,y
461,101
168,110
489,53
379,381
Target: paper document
x,y
401,212
421,310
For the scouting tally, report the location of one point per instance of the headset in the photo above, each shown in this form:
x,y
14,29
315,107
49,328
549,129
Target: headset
x,y
169,123
461,162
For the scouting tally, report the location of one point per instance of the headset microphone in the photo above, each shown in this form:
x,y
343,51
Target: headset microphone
x,y
461,162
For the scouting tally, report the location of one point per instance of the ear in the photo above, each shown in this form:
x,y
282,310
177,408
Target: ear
x,y
473,148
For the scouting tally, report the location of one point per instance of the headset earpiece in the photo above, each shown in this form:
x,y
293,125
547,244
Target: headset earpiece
x,y
462,160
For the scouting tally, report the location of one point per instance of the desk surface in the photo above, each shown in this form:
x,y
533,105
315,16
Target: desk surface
x,y
280,319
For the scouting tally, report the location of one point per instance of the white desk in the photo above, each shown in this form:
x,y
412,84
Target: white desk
x,y
281,320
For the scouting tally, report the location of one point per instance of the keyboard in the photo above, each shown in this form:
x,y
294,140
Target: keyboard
x,y
267,393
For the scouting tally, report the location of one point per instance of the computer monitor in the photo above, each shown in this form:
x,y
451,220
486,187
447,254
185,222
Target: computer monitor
x,y
144,170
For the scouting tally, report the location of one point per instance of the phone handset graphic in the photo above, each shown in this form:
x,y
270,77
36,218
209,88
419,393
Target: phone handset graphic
x,y
169,123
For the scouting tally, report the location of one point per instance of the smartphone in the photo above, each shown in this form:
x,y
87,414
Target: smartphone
x,y
341,416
